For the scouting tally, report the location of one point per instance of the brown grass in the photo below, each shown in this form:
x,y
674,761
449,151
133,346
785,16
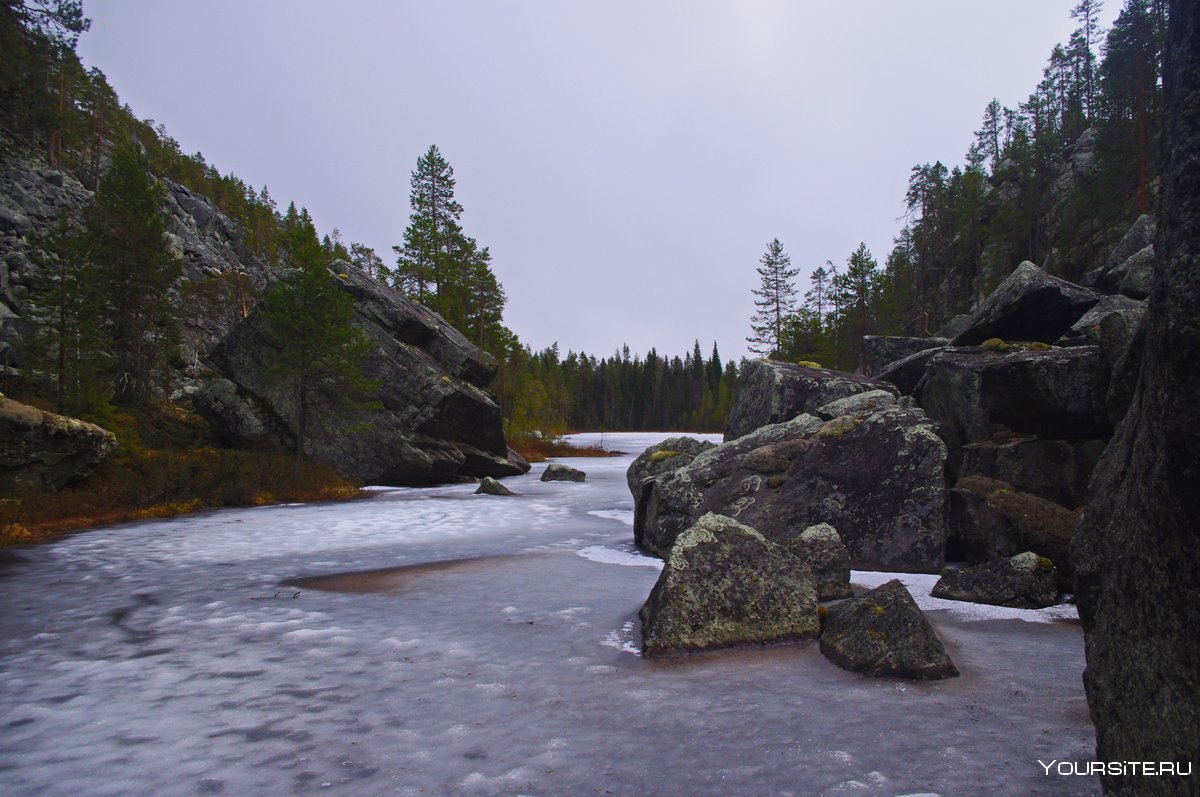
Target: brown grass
x,y
160,471
535,450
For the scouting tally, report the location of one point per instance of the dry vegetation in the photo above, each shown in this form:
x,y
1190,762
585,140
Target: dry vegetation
x,y
540,449
164,468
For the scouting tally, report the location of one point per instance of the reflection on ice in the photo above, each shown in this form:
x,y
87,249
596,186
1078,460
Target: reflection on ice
x,y
170,657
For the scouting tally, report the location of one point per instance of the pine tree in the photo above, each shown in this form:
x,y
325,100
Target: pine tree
x,y
319,352
776,300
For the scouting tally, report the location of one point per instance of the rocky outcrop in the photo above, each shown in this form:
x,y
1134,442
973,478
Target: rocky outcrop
x,y
772,392
1130,264
906,374
1024,581
433,422
877,479
1057,470
1029,305
989,520
1137,552
724,584
40,449
669,455
490,486
884,633
1086,331
821,549
976,393
880,351
558,472
32,196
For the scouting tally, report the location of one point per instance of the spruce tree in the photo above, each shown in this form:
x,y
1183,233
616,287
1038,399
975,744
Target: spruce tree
x,y
319,352
775,300
425,264
127,243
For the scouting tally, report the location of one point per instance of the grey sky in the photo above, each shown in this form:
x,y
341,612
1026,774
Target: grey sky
x,y
626,162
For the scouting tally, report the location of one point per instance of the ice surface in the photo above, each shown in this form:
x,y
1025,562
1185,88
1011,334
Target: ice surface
x,y
174,658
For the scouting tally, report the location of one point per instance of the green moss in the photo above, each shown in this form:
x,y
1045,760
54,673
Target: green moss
x,y
808,364
838,426
1037,345
994,344
659,456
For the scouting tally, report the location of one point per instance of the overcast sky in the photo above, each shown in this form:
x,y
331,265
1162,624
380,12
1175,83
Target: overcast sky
x,y
626,162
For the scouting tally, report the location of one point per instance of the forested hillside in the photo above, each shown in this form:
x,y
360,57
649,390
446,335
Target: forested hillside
x,y
1056,180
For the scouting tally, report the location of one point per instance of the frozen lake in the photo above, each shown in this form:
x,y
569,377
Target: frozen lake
x,y
500,658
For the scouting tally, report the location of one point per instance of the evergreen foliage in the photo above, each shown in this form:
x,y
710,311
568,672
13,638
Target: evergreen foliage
x,y
319,352
775,299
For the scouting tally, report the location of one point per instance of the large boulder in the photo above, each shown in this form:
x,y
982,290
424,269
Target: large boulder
x,y
1130,263
989,520
772,392
877,479
879,351
1137,551
821,549
977,392
669,455
433,422
724,584
884,633
558,472
1086,331
40,449
1028,305
1024,581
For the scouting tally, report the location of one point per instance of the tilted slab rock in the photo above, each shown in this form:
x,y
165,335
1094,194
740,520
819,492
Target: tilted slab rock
x,y
1028,305
770,392
724,584
434,422
878,480
41,449
1024,581
906,374
884,633
975,393
880,351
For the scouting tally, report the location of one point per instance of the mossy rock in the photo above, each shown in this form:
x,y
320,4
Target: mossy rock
x,y
659,456
808,364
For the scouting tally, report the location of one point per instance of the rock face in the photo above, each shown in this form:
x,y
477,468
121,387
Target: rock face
x,y
41,449
1130,264
557,472
772,392
490,486
669,455
884,633
821,549
989,519
879,351
32,196
1024,581
877,479
723,585
1137,551
434,422
1028,305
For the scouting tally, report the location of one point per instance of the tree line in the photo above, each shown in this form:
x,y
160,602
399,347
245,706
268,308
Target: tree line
x,y
1099,105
